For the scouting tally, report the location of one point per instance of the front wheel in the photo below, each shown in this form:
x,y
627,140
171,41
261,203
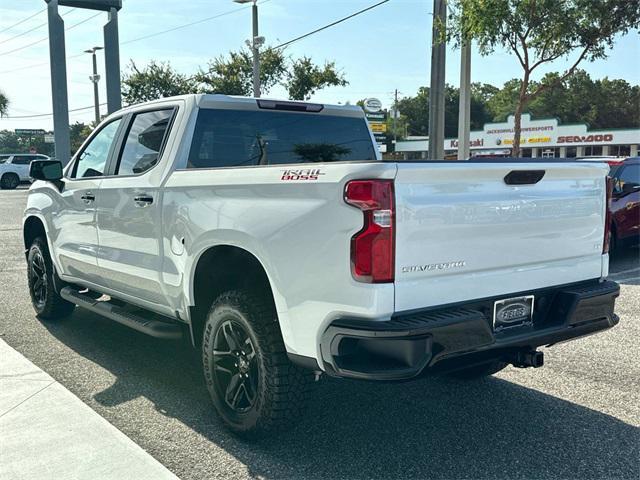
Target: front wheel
x,y
253,385
46,301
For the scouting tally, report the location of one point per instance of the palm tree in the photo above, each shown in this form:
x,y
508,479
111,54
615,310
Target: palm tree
x,y
4,104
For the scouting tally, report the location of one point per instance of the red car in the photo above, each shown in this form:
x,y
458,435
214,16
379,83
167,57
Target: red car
x,y
625,202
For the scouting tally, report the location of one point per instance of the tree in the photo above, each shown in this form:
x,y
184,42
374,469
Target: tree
x,y
542,31
78,133
234,75
416,110
577,99
4,104
303,78
156,80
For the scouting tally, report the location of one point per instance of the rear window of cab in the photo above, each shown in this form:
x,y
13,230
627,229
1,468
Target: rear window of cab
x,y
234,138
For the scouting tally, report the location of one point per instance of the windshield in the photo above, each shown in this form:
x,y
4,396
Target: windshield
x,y
227,138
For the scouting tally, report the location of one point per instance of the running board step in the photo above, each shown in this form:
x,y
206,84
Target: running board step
x,y
148,322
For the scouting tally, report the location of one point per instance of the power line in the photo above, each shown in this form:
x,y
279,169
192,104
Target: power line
x,y
282,45
12,117
32,29
173,29
144,37
24,20
46,38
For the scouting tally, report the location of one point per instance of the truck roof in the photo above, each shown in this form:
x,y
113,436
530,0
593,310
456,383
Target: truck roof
x,y
205,100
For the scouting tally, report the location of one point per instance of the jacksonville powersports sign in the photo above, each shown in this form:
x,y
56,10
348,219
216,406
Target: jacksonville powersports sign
x,y
535,133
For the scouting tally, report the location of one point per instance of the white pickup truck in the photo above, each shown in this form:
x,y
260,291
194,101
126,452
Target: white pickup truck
x,y
273,235
14,168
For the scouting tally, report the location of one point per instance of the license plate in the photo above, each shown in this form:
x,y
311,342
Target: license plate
x,y
512,312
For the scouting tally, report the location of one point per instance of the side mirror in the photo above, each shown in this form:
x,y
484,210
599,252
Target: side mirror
x,y
47,170
629,187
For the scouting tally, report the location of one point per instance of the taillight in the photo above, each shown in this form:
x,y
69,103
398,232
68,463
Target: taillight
x,y
607,216
373,247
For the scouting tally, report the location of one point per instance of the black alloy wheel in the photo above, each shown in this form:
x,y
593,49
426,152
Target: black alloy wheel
x,y
38,274
9,181
235,368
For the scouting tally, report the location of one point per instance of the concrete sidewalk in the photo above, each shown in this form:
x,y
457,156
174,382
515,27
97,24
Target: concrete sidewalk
x,y
46,432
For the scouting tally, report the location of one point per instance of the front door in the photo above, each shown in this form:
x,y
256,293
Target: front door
x,y
75,235
129,207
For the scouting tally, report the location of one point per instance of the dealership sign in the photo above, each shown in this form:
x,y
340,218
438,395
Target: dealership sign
x,y
607,137
543,133
372,105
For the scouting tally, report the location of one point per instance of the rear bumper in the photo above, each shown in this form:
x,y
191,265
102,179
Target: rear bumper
x,y
462,335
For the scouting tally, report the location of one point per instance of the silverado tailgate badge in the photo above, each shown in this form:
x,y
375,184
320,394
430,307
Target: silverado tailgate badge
x,y
434,266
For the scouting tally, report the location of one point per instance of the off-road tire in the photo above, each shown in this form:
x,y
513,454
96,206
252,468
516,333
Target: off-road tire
x,y
281,388
9,181
48,304
479,371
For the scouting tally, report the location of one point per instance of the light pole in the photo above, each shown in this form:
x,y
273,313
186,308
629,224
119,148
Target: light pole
x,y
437,86
255,43
95,78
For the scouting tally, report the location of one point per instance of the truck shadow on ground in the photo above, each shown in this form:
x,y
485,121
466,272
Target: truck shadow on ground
x,y
429,428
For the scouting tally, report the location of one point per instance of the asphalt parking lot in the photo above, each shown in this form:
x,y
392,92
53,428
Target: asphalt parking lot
x,y
577,417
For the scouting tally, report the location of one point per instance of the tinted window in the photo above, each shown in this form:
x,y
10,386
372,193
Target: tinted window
x,y
4,158
144,142
22,160
227,138
630,174
92,160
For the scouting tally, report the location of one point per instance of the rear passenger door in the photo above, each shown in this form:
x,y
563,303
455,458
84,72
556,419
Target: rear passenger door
x,y
21,164
128,210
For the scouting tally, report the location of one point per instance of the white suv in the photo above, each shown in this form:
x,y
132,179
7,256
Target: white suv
x,y
14,168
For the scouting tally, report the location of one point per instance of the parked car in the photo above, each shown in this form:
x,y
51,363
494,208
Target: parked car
x,y
274,237
625,203
14,168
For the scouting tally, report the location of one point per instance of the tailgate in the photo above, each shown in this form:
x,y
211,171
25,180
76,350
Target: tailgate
x,y
463,233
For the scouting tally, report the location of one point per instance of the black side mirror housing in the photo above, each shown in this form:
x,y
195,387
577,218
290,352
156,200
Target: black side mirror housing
x,y
629,187
47,170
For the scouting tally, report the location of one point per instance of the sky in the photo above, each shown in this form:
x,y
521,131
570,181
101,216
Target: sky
x,y
384,49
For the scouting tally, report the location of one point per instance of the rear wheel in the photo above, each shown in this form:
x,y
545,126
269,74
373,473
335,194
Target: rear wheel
x,y
253,385
480,371
9,181
44,297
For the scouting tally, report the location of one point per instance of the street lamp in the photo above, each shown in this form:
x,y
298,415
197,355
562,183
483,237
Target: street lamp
x,y
95,78
255,43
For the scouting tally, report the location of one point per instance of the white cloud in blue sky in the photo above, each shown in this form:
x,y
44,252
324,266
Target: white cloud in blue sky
x,y
379,51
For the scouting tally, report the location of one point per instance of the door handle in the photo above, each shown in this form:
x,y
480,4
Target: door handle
x,y
88,197
143,200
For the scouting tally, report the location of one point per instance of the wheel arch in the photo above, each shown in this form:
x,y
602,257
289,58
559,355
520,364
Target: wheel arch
x,y
219,268
32,227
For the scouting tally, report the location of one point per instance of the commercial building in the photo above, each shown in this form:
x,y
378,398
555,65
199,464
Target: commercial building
x,y
544,137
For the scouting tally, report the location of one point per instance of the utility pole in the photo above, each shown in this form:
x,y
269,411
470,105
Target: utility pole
x,y
59,94
395,118
255,51
464,115
112,61
437,85
255,43
95,78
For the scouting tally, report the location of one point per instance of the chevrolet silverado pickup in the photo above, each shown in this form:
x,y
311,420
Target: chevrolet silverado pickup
x,y
273,237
